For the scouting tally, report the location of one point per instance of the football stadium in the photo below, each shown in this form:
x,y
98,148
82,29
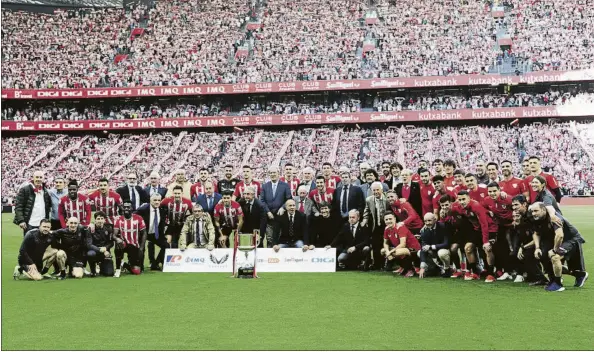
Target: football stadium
x,y
297,174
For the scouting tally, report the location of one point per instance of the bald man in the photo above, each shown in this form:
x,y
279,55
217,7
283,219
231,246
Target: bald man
x,y
33,203
435,244
71,243
182,181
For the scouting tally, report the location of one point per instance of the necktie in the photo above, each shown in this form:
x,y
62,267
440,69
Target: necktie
x,y
197,234
249,209
291,226
156,224
154,191
209,203
133,198
301,207
343,201
353,230
273,190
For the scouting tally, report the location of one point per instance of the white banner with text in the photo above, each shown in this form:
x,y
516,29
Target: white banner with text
x,y
220,260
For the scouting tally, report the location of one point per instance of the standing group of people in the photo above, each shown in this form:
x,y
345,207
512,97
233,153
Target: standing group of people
x,y
488,224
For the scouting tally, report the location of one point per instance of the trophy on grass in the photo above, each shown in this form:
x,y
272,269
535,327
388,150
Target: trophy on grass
x,y
244,266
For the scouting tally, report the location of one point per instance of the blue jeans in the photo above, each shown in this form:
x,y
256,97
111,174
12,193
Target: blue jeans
x,y
296,244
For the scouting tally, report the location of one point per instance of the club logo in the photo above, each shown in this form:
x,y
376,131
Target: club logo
x,y
219,261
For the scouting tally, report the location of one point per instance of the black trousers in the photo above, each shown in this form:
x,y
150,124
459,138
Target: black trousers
x,y
377,243
161,243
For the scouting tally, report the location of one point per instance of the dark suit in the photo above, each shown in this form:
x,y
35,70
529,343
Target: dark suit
x,y
345,240
322,230
414,198
377,231
393,182
203,201
124,192
299,233
273,204
161,190
254,219
356,200
145,212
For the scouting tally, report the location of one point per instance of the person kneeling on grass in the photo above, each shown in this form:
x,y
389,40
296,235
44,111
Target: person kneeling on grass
x,y
400,245
553,244
71,243
435,252
31,254
198,230
99,243
130,238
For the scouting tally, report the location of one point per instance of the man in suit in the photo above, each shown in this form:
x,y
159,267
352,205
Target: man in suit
x,y
154,186
254,214
198,230
132,192
155,219
274,195
308,179
347,197
209,198
353,243
303,202
395,175
410,191
373,216
292,229
371,176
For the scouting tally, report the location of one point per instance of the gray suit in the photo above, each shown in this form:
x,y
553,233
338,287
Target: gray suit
x,y
366,188
370,216
307,204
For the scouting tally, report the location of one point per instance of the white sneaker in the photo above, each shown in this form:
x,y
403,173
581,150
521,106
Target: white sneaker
x,y
87,273
117,273
15,273
519,278
505,276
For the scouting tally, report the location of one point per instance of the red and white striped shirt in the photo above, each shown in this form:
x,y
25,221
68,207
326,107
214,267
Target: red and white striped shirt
x,y
79,208
293,184
109,204
177,212
318,197
332,181
130,229
240,188
228,215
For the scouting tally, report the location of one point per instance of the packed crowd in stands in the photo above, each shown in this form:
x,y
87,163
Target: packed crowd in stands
x,y
289,105
565,154
185,42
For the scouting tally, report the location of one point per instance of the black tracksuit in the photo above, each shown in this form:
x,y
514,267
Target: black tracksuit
x,y
32,249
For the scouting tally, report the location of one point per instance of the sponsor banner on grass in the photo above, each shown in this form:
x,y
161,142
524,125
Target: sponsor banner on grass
x,y
220,260
298,86
312,119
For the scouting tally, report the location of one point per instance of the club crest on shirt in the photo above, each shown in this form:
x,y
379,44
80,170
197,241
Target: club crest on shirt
x,y
503,206
515,185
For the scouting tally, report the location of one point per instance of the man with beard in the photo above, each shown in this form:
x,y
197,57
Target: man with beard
x,y
290,178
33,203
405,214
248,181
427,191
330,180
320,194
229,182
228,217
180,180
178,208
31,253
511,185
198,188
133,192
524,244
475,191
323,229
71,243
76,205
386,175
99,243
481,173
556,243
106,200
130,238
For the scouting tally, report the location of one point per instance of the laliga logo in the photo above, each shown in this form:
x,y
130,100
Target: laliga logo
x,y
174,259
216,260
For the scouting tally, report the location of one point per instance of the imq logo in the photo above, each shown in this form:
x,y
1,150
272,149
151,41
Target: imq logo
x,y
322,260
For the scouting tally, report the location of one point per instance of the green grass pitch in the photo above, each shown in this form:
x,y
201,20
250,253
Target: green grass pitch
x,y
343,311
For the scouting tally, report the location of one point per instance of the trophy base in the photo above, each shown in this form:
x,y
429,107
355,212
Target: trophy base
x,y
246,273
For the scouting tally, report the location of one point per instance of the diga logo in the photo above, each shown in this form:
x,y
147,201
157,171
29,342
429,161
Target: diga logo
x,y
174,258
273,260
